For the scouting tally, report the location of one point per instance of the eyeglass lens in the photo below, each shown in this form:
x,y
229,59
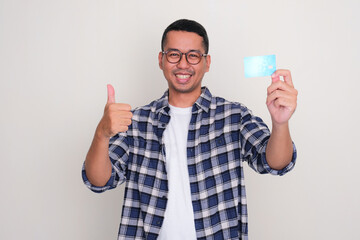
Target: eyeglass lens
x,y
174,56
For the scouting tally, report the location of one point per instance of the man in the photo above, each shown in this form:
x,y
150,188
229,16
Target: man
x,y
181,156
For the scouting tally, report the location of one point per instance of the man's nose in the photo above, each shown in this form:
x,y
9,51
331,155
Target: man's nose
x,y
183,62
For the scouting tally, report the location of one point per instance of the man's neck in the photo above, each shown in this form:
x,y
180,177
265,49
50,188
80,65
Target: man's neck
x,y
183,100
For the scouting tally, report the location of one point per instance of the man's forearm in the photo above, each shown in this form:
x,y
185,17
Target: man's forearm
x,y
279,149
97,163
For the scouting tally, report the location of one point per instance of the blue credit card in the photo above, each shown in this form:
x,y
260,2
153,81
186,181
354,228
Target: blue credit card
x,y
259,66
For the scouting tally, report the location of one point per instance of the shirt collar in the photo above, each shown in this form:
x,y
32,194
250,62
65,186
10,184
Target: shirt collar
x,y
203,102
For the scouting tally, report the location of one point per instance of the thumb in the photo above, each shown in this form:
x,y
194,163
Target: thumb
x,y
275,77
111,94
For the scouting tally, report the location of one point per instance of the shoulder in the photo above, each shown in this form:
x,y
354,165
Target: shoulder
x,y
149,110
220,104
145,118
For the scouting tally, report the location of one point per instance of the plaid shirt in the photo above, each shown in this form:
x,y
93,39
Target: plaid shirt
x,y
221,136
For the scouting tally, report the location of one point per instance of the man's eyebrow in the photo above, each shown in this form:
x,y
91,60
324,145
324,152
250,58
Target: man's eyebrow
x,y
175,49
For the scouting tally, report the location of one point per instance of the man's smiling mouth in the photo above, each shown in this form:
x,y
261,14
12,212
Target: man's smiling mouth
x,y
181,76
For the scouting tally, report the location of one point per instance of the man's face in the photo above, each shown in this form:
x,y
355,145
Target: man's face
x,y
182,77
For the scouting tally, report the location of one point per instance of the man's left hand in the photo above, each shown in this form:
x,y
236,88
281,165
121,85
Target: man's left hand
x,y
281,97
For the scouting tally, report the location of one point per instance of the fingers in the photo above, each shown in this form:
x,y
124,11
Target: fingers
x,y
279,85
282,98
118,121
119,107
282,93
286,85
115,120
286,74
111,94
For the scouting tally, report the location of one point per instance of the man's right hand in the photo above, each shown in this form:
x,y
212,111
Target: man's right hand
x,y
116,118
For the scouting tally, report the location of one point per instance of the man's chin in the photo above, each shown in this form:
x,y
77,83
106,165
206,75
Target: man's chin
x,y
183,89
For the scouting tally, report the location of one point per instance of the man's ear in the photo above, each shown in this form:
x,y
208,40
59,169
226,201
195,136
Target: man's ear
x,y
160,60
208,62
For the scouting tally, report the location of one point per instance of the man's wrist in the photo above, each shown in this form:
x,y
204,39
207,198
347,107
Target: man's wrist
x,y
280,126
100,135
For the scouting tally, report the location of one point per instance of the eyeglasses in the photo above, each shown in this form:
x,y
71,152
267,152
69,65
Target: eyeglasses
x,y
193,57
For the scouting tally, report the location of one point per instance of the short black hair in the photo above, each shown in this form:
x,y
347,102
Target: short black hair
x,y
187,26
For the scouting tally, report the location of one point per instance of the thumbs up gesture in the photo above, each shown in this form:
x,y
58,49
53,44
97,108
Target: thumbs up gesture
x,y
116,118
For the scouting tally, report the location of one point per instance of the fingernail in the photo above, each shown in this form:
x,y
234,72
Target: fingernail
x,y
273,75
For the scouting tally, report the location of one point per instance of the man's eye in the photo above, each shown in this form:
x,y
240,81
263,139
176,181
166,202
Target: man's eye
x,y
193,56
173,54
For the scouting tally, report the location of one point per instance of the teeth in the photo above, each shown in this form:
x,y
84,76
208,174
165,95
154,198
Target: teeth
x,y
182,76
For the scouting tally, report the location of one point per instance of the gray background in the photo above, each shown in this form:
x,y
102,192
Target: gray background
x,y
56,58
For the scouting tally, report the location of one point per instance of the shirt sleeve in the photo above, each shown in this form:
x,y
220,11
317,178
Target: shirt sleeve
x,y
254,138
119,154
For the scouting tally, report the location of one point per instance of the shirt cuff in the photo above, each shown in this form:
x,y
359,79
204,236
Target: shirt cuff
x,y
283,171
97,189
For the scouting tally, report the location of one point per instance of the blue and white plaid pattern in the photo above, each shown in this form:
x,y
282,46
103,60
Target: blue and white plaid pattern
x,y
221,136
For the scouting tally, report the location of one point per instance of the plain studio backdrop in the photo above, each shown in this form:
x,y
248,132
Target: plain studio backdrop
x,y
56,58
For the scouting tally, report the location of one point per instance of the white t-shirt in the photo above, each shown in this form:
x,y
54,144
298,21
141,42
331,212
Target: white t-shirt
x,y
178,222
